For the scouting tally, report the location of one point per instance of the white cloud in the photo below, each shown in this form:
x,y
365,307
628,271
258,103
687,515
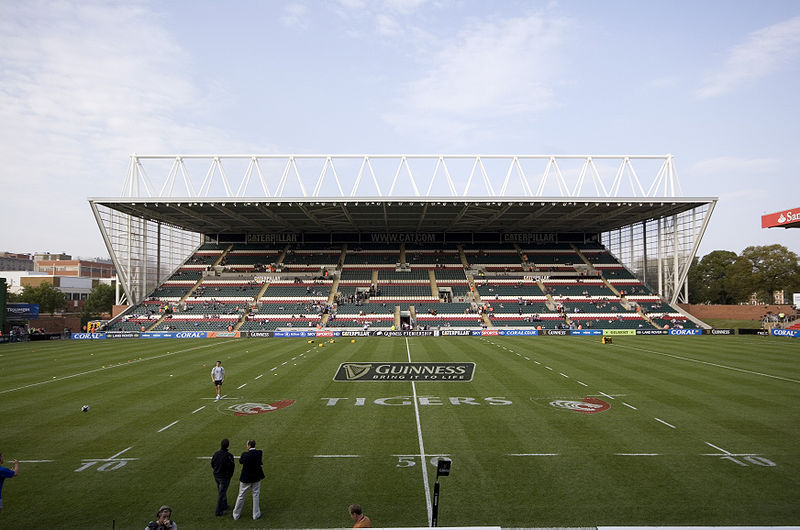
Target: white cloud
x,y
295,16
764,52
82,85
490,69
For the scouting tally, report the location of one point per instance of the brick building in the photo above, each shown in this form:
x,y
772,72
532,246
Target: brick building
x,y
10,261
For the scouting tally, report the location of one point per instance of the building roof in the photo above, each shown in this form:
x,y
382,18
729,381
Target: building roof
x,y
398,214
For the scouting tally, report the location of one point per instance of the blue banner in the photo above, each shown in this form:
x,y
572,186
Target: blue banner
x,y
174,335
22,311
88,336
586,332
518,332
692,331
786,332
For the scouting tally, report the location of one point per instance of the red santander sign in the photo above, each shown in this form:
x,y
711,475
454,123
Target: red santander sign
x,y
784,219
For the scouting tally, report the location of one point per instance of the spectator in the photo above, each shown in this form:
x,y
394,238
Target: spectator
x,y
223,466
163,520
250,479
362,521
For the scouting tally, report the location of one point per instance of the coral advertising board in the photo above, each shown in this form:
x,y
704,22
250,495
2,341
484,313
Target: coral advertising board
x,y
785,219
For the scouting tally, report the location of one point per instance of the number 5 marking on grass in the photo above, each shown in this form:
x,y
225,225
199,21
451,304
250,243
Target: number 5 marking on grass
x,y
406,461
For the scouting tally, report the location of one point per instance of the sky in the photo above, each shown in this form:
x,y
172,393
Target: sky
x,y
83,85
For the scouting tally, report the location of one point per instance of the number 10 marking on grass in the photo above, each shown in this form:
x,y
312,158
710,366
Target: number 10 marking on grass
x,y
741,459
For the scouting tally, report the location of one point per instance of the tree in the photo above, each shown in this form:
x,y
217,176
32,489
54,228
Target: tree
x,y
48,297
707,278
774,268
100,300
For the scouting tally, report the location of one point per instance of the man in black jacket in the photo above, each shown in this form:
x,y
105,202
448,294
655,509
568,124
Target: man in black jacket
x,y
223,465
251,477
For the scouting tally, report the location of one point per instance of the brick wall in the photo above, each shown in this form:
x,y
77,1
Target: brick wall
x,y
735,312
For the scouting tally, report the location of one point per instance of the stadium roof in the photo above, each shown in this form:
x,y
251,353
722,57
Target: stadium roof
x,y
398,214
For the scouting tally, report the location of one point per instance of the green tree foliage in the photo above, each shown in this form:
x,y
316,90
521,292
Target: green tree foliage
x,y
774,268
100,300
722,277
707,278
48,297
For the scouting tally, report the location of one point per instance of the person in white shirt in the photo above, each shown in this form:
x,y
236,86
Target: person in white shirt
x,y
218,375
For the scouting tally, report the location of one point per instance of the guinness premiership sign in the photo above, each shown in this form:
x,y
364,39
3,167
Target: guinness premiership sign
x,y
405,372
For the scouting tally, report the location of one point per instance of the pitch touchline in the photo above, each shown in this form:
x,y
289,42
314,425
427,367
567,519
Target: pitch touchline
x,y
713,364
106,368
421,446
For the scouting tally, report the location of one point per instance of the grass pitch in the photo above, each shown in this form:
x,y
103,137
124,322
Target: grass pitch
x,y
700,431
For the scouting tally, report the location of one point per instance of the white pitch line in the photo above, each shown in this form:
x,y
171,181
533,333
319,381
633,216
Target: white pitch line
x,y
563,374
714,364
337,456
203,457
637,454
35,461
717,448
241,386
582,383
260,376
665,423
537,362
284,362
168,426
606,395
549,368
108,368
273,369
198,410
532,454
629,406
527,358
421,446
116,455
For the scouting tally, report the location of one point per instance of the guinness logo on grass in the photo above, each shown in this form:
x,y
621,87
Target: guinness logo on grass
x,y
405,372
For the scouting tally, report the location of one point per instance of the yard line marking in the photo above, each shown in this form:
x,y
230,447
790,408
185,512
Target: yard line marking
x,y
203,457
565,375
273,368
714,364
241,386
284,362
548,368
260,376
629,406
718,448
527,358
582,383
537,362
116,455
109,367
337,456
35,461
421,446
532,454
606,395
665,423
168,426
637,454
198,410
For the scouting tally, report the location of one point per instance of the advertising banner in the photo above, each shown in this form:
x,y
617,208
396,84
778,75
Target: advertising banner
x,y
222,334
174,335
400,333
260,334
750,331
694,331
350,333
88,336
652,332
122,334
617,332
785,218
285,334
16,312
377,371
519,332
457,332
786,332
557,332
586,332
719,331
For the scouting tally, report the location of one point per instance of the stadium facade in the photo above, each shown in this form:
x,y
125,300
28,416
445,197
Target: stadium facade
x,y
633,204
